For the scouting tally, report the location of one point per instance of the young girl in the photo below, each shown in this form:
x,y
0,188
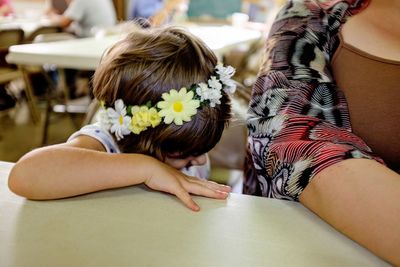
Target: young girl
x,y
164,104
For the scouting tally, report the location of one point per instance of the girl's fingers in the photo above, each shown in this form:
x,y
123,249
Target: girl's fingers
x,y
203,190
211,184
184,196
220,187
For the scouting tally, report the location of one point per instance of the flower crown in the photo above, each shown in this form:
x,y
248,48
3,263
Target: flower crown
x,y
176,107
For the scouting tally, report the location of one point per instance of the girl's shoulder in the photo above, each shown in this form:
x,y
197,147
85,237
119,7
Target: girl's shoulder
x,y
97,132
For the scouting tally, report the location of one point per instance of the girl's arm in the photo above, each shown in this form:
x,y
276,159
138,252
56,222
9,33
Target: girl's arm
x,y
81,166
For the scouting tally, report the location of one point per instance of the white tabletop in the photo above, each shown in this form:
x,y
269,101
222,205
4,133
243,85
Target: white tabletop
x,y
137,227
86,53
28,25
82,53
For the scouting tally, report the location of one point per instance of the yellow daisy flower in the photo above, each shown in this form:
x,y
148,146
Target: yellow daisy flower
x,y
178,107
142,118
154,117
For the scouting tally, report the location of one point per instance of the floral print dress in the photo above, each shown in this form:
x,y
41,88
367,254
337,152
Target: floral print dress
x,y
298,119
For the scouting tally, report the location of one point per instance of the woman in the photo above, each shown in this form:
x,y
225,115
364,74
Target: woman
x,y
324,117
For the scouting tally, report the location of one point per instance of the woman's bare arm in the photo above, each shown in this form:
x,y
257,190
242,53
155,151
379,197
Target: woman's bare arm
x,y
360,198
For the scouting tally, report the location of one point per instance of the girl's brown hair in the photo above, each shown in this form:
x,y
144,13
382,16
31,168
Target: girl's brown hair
x,y
149,62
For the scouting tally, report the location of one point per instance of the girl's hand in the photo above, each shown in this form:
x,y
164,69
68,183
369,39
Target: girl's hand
x,y
167,179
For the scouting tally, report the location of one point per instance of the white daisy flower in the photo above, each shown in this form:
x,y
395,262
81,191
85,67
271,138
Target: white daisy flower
x,y
118,119
203,91
230,87
214,83
207,93
178,107
225,73
214,97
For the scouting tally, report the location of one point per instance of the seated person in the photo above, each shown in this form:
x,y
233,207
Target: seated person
x,y
145,8
6,101
5,8
86,15
56,6
157,11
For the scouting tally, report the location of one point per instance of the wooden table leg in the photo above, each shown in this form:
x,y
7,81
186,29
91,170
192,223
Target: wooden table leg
x,y
30,97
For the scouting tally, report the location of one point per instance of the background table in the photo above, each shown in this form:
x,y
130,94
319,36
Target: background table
x,y
28,25
86,53
137,227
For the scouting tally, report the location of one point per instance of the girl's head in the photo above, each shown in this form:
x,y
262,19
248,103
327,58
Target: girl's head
x,y
149,63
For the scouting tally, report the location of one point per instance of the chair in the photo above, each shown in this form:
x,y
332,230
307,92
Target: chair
x,y
9,37
41,36
53,37
9,74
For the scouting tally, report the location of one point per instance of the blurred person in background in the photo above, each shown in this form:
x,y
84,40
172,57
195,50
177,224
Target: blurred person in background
x,y
83,18
56,6
5,8
6,101
158,12
144,8
86,15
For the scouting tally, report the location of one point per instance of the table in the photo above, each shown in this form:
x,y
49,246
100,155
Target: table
x,y
86,53
28,25
136,227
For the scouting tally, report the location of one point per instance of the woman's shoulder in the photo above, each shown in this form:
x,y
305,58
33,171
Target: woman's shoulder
x,y
354,5
307,7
